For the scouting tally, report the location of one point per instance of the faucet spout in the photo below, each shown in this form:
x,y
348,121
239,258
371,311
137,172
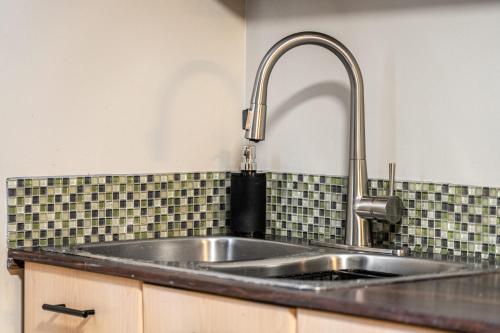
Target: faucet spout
x,y
255,125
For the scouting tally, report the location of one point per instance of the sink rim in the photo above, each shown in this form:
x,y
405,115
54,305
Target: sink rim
x,y
181,239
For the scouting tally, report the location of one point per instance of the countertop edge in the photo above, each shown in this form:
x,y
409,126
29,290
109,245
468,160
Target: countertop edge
x,y
253,292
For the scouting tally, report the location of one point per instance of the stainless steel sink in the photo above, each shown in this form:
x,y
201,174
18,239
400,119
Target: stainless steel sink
x,y
273,263
203,249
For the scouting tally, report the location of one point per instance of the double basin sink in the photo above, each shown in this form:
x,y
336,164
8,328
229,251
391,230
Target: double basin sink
x,y
310,267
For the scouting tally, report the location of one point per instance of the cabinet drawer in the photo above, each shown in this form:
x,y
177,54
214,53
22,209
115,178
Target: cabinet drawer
x,y
177,311
117,302
323,322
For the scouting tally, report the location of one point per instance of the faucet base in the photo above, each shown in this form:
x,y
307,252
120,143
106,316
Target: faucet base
x,y
358,231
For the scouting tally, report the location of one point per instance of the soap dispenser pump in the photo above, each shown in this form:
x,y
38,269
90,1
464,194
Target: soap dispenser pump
x,y
248,198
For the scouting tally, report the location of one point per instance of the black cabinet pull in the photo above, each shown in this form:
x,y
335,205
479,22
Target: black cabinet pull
x,y
61,308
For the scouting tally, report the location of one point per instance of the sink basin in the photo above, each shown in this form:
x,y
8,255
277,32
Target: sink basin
x,y
338,266
202,249
313,267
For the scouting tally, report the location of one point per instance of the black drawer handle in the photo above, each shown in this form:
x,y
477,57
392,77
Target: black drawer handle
x,y
61,308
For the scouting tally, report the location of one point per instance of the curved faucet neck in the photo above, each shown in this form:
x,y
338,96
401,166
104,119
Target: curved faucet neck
x,y
256,121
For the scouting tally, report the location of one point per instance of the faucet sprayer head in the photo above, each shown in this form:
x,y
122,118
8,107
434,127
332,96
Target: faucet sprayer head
x,y
254,122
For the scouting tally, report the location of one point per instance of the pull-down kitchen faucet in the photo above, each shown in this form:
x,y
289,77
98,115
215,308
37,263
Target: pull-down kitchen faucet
x,y
360,207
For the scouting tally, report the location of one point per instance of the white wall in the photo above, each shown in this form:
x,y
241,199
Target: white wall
x,y
112,86
432,80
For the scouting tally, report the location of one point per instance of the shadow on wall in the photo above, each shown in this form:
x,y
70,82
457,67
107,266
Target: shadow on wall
x,y
326,7
236,6
331,89
336,90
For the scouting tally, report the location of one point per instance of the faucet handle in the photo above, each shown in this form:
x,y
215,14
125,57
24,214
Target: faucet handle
x,y
392,177
389,208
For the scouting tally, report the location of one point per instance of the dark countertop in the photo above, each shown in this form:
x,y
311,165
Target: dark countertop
x,y
466,304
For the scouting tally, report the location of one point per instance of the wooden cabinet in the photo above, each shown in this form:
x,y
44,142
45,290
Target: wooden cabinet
x,y
129,306
172,310
326,322
117,301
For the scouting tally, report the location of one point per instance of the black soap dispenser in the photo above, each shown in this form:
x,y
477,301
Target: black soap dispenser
x,y
248,198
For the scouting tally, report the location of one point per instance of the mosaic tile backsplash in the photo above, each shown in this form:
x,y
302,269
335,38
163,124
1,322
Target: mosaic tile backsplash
x,y
77,210
438,218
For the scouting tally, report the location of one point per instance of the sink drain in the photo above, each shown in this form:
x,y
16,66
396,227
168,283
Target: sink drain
x,y
344,274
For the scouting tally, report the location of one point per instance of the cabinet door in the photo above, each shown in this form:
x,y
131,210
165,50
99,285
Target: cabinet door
x,y
323,322
117,301
172,310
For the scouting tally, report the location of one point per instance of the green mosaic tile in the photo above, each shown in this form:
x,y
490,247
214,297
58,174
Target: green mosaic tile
x,y
306,206
87,209
438,218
